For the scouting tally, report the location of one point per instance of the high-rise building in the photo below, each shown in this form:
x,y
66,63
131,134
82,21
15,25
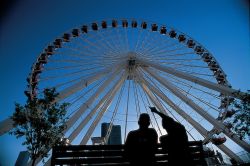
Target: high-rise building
x,y
22,159
115,134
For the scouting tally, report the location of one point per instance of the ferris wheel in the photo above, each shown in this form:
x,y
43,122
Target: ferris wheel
x,y
111,71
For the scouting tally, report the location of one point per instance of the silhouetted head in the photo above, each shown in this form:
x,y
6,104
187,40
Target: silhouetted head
x,y
144,121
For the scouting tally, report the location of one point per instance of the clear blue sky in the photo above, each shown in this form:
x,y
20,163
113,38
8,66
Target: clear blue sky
x,y
27,26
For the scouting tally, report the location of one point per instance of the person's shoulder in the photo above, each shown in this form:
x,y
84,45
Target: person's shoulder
x,y
133,132
152,130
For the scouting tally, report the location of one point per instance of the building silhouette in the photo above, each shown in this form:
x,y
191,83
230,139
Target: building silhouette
x,y
22,159
115,134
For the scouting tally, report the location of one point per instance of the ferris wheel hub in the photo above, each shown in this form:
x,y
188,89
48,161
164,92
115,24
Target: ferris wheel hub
x,y
131,65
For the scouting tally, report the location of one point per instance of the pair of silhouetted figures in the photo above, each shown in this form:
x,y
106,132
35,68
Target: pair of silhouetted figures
x,y
141,144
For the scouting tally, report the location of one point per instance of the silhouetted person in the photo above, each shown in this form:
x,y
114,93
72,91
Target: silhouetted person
x,y
175,142
141,144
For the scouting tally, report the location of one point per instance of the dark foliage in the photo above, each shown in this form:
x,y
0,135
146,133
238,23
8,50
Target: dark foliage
x,y
41,121
241,119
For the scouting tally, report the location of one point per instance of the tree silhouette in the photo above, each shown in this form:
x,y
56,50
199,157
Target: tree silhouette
x,y
240,121
41,121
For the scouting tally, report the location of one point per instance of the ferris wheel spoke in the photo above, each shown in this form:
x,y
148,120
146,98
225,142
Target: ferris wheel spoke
x,y
107,43
184,98
94,110
177,59
198,109
101,40
103,45
77,52
83,52
144,42
165,51
199,98
155,45
71,52
138,110
57,86
84,61
75,73
70,72
126,112
124,35
193,73
149,41
86,51
81,62
166,57
189,85
139,38
184,65
102,111
62,68
155,102
166,61
153,120
120,40
174,107
76,98
153,99
82,56
159,105
83,108
117,41
114,115
200,81
210,105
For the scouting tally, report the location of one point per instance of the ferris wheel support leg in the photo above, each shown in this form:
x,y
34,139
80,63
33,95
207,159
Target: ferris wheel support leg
x,y
94,110
189,119
86,105
5,126
211,85
218,125
102,111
